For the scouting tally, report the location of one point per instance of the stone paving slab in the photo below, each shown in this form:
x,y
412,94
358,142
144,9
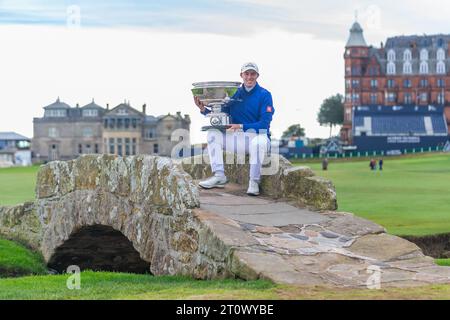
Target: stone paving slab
x,y
271,239
256,210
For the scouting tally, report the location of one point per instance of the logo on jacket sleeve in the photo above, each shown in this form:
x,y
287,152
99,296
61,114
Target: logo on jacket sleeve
x,y
269,109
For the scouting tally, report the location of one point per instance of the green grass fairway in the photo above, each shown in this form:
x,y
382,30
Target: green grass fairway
x,y
411,196
106,285
17,184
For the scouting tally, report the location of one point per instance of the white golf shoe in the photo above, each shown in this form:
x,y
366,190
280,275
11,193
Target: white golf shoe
x,y
253,188
213,182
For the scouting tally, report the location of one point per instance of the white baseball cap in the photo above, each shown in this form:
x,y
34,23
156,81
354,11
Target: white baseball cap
x,y
249,66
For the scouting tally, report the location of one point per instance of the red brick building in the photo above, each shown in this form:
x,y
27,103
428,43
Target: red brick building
x,y
409,71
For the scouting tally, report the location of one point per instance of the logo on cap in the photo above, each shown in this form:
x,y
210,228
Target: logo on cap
x,y
249,66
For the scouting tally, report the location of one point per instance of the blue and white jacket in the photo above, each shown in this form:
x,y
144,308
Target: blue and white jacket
x,y
253,109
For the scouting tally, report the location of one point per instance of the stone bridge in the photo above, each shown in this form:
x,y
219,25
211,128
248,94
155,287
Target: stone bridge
x,y
145,214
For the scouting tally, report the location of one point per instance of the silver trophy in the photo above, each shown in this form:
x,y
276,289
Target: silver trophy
x,y
215,95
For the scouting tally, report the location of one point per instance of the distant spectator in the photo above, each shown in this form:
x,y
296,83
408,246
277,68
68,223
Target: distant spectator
x,y
325,164
380,164
372,164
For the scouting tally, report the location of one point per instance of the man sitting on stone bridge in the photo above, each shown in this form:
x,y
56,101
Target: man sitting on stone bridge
x,y
251,112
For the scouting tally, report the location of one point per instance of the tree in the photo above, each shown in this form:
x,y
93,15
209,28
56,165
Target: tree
x,y
294,130
331,111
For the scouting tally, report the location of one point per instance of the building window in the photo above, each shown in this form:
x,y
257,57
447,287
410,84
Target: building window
x,y
111,146
90,113
440,55
440,67
423,97
441,83
348,114
391,83
348,97
88,132
155,148
80,148
134,123
391,68
423,67
391,55
424,83
150,133
119,123
347,84
391,97
424,54
96,148
441,98
407,98
58,113
356,71
407,68
23,144
53,132
122,111
119,150
407,83
134,151
355,83
373,71
355,97
127,123
407,56
373,98
374,83
105,123
112,123
127,146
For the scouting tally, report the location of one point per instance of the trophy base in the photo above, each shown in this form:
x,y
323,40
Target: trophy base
x,y
223,127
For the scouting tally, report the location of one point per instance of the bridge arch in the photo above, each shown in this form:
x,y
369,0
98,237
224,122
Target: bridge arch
x,y
98,248
135,209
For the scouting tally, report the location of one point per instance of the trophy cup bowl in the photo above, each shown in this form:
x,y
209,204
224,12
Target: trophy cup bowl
x,y
215,94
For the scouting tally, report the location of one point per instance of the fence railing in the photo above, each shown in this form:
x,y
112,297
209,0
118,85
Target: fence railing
x,y
359,154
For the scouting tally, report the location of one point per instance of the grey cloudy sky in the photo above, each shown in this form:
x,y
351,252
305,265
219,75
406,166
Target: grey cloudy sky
x,y
152,51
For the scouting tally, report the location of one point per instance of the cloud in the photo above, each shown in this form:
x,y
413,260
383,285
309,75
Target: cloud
x,y
158,68
324,19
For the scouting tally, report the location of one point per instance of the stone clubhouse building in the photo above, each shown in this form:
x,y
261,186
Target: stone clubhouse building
x,y
65,132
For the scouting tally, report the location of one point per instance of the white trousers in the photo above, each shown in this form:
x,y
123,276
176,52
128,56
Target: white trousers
x,y
240,143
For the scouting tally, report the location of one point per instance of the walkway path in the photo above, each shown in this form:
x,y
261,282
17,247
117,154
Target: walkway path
x,y
286,244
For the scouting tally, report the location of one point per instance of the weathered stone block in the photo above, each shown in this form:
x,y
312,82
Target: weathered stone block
x,y
284,181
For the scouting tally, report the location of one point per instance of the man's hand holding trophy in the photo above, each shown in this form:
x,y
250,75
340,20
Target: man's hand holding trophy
x,y
213,99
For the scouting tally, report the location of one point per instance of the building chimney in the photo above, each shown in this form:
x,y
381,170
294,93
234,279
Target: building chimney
x,y
107,106
179,114
144,108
